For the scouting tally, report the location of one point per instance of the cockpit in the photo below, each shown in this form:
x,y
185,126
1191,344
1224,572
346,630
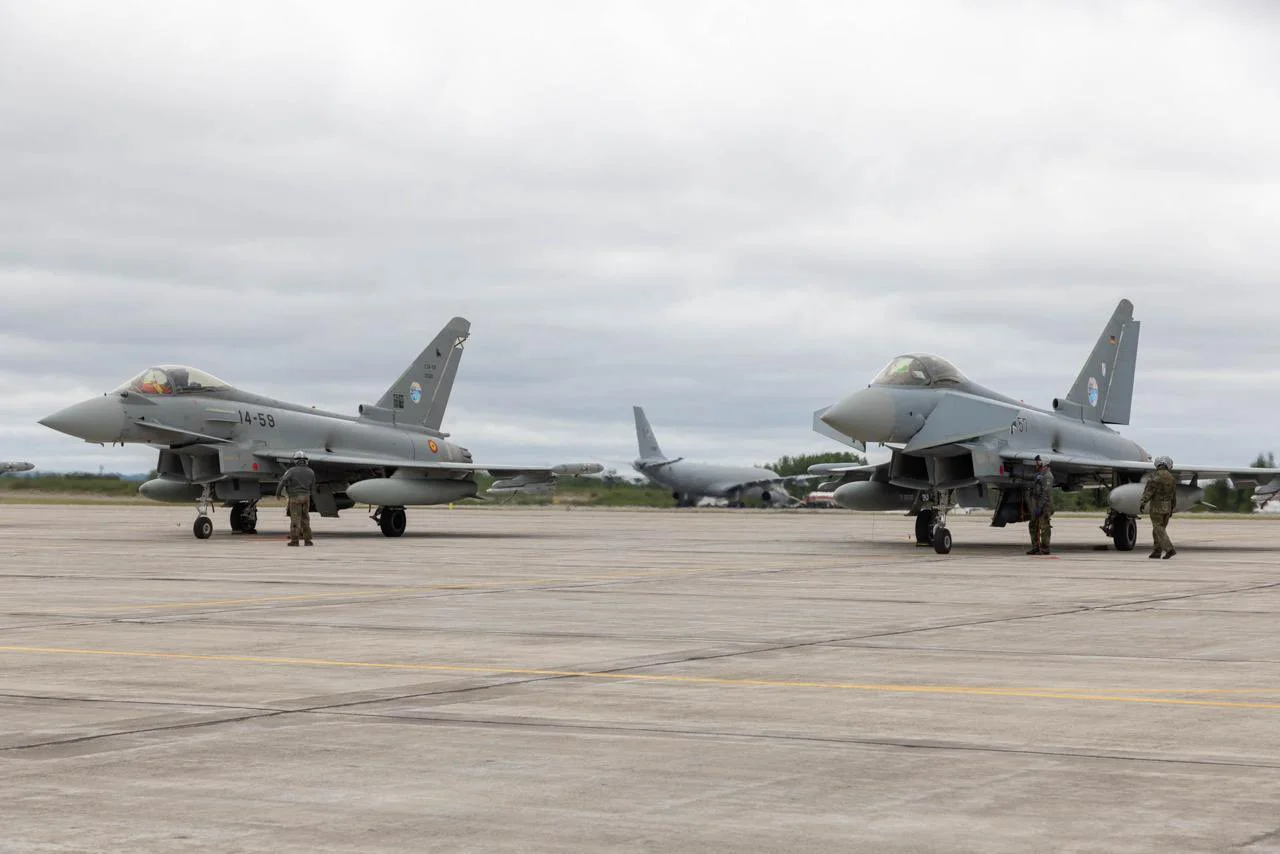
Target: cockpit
x,y
919,369
173,379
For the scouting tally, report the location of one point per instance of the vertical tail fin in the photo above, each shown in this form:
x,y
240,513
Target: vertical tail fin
x,y
1104,389
648,443
422,392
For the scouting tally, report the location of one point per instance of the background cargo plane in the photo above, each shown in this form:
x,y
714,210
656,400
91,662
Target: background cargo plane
x,y
220,444
8,467
689,481
953,440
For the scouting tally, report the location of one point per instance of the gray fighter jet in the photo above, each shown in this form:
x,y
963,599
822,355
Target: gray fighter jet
x,y
953,441
219,444
690,481
8,467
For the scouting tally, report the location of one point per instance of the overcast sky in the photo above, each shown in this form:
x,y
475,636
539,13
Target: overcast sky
x,y
731,213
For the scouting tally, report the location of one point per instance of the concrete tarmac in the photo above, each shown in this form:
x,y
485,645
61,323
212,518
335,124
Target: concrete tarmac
x,y
551,679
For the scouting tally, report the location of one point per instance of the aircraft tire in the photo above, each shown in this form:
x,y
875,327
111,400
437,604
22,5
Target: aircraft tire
x,y
393,521
942,541
203,528
244,518
924,527
1125,533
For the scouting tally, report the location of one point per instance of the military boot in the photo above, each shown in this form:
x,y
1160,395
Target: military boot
x,y
1170,553
1154,554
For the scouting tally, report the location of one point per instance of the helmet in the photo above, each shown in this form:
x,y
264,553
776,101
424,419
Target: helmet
x,y
299,456
1164,463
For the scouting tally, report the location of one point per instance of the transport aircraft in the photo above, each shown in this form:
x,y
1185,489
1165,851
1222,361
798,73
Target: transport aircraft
x,y
221,445
954,442
690,481
6,467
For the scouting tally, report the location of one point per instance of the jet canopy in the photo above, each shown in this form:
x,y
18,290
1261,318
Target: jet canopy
x,y
919,369
173,379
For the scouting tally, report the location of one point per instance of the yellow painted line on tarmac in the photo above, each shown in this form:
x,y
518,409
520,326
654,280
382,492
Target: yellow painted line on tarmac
x,y
672,679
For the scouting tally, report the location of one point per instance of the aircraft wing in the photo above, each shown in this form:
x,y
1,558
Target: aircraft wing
x,y
849,471
1100,465
347,461
734,485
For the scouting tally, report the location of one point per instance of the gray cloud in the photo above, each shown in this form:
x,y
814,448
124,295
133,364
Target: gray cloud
x,y
730,213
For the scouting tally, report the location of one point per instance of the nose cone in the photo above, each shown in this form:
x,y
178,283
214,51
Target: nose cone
x,y
867,415
99,419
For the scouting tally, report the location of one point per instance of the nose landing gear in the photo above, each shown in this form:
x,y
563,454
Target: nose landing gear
x,y
203,527
931,522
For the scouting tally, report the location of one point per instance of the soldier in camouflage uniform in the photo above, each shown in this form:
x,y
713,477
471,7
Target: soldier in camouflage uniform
x,y
1040,497
1157,500
298,482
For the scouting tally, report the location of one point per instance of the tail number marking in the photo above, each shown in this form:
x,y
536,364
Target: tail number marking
x,y
262,419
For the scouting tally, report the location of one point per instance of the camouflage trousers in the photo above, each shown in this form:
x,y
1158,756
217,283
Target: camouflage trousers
x,y
1159,536
299,518
1041,531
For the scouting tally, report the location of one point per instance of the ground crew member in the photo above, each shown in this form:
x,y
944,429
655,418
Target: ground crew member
x,y
1041,500
1158,498
298,482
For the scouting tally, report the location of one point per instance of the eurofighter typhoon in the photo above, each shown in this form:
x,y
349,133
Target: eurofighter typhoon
x,y
953,441
219,444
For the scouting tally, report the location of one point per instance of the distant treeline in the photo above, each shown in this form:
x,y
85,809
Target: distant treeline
x,y
73,482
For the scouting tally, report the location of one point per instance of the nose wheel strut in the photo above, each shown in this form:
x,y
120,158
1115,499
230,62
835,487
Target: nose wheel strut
x,y
203,527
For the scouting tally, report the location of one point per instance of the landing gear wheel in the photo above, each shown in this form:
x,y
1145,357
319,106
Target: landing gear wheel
x,y
244,518
392,521
203,528
1124,533
924,527
942,541
767,498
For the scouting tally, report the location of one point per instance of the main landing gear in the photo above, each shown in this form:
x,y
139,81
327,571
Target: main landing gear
x,y
244,517
931,522
392,520
1122,529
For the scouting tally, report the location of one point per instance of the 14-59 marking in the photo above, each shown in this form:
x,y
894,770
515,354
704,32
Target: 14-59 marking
x,y
261,419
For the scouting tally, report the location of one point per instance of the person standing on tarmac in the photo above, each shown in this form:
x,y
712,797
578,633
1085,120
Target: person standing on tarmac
x,y
298,482
1158,498
1041,499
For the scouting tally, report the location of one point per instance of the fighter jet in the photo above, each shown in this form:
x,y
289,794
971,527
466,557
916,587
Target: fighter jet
x,y
953,441
5,468
690,481
219,444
